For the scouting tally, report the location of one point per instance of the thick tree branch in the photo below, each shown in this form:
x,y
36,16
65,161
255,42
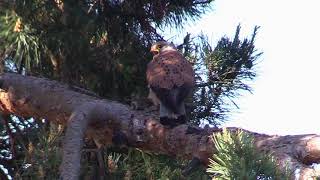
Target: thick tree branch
x,y
73,141
110,121
296,152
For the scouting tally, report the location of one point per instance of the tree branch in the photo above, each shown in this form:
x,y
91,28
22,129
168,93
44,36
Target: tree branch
x,y
73,141
110,122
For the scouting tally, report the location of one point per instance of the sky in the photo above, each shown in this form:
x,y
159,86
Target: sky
x,y
286,92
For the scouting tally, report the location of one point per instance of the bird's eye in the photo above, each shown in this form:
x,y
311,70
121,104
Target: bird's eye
x,y
160,46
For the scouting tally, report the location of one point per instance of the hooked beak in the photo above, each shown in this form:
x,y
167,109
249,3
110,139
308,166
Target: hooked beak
x,y
154,50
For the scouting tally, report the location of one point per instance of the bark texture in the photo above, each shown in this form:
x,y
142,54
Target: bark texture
x,y
100,119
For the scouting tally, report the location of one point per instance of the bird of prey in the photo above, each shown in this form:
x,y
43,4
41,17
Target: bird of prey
x,y
170,78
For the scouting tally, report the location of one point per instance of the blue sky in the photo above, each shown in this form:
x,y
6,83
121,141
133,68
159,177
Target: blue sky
x,y
287,92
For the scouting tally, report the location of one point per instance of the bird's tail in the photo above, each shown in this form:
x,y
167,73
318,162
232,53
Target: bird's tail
x,y
172,108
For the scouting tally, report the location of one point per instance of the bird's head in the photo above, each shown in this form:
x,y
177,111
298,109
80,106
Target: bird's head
x,y
161,46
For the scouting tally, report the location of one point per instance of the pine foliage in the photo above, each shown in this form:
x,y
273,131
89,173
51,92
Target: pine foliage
x,y
237,158
103,46
223,73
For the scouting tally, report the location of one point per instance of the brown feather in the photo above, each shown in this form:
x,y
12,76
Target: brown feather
x,y
170,69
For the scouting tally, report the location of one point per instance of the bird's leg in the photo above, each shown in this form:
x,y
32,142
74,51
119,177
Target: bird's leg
x,y
182,119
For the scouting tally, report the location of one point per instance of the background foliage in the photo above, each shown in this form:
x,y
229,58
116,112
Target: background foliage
x,y
103,46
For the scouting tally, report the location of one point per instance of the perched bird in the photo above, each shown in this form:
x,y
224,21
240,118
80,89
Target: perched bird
x,y
170,78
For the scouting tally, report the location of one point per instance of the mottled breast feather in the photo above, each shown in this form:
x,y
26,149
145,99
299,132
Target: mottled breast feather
x,y
170,69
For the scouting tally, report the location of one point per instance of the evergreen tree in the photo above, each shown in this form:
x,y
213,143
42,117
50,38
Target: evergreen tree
x,y
103,46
